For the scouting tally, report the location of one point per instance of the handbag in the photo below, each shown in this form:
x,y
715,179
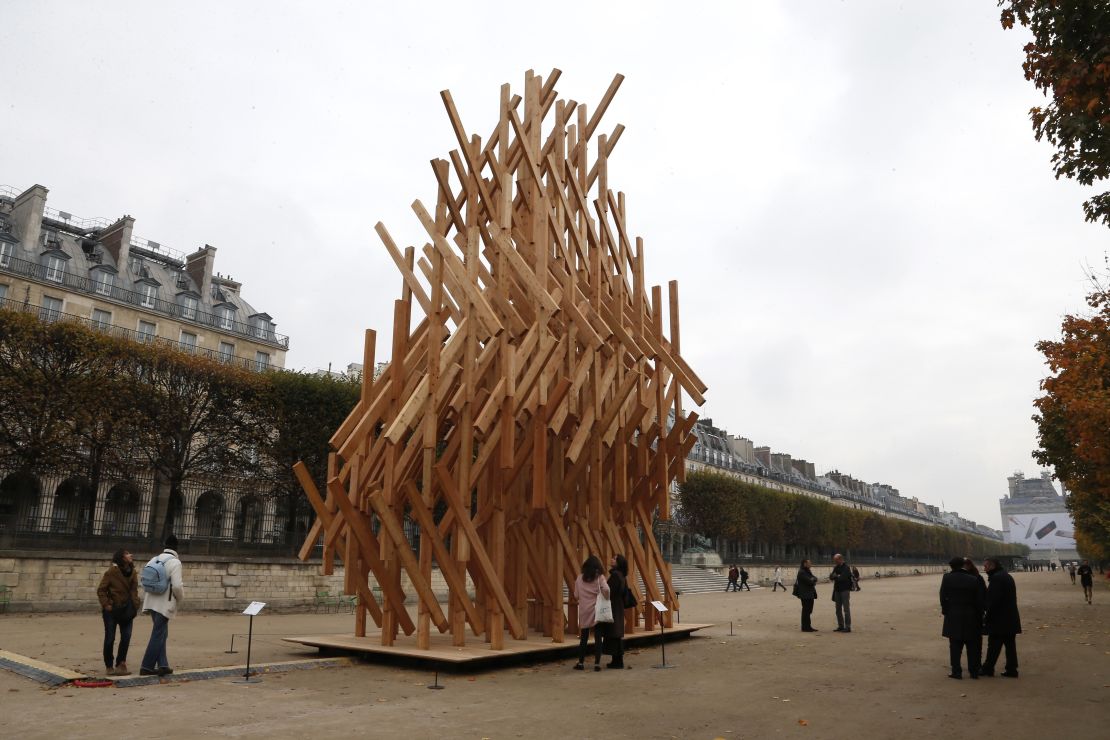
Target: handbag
x,y
124,612
603,610
628,599
797,590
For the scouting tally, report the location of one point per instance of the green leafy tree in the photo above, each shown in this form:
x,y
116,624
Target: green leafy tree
x,y
302,411
717,505
1069,60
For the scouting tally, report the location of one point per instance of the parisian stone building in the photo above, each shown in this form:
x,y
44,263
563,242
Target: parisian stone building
x,y
96,272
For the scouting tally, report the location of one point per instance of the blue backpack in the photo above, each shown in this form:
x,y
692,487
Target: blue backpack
x,y
154,578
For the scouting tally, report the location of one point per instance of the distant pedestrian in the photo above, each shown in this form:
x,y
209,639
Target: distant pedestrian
x,y
1002,623
614,633
1086,579
118,594
162,606
733,578
855,578
805,588
744,579
1071,572
586,589
962,604
777,584
841,577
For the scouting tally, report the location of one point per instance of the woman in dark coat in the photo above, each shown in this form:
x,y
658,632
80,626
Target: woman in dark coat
x,y
118,594
962,602
806,589
614,633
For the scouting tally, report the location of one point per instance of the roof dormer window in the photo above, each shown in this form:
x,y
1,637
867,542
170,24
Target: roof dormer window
x,y
188,306
225,317
148,295
55,268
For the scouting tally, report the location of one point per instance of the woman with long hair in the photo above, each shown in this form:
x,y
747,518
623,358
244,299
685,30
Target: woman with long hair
x,y
618,587
118,594
805,588
586,589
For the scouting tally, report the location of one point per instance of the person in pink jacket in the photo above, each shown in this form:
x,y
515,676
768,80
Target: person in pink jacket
x,y
586,588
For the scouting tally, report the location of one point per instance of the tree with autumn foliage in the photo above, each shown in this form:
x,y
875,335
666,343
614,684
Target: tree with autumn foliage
x,y
1074,419
1069,60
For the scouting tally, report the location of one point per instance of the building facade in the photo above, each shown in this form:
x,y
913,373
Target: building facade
x,y
90,269
95,272
738,457
1035,514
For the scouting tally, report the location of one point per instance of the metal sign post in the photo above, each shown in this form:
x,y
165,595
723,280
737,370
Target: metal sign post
x,y
254,608
661,607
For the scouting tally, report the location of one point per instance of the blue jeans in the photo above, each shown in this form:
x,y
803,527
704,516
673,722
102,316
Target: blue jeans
x,y
155,656
110,625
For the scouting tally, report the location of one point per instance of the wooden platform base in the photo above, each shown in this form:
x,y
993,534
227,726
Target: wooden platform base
x,y
443,656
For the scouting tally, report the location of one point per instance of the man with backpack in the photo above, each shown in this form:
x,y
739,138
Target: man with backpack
x,y
163,590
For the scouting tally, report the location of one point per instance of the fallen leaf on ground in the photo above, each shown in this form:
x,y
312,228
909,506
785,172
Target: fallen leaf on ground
x,y
803,722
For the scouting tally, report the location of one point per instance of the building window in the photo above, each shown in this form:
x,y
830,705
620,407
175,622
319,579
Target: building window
x,y
5,254
136,265
51,308
188,307
261,360
149,295
188,341
263,329
225,317
3,294
104,282
55,269
146,331
101,319
227,351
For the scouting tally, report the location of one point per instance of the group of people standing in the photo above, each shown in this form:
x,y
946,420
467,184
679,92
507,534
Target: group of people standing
x,y
972,608
118,594
588,587
844,582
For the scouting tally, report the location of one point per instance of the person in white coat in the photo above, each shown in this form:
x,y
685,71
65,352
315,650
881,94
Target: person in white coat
x,y
778,580
162,608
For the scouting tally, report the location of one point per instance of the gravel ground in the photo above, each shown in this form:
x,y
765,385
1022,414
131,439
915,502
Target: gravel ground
x,y
887,679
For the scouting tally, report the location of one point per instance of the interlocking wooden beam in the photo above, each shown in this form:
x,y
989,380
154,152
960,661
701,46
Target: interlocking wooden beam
x,y
534,415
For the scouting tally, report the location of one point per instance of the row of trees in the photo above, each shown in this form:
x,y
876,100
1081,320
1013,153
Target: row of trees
x,y
76,399
717,505
1069,60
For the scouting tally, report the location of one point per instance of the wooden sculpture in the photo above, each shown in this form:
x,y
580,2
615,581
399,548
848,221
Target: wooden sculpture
x,y
534,415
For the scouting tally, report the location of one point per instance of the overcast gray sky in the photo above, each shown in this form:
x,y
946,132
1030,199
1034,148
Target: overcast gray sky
x,y
867,239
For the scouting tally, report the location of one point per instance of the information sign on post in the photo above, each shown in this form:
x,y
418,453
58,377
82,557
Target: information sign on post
x,y
253,608
661,607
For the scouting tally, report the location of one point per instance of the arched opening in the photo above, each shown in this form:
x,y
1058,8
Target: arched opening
x,y
20,494
209,515
248,521
74,503
121,513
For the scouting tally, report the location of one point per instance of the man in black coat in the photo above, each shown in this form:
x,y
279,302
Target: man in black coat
x,y
962,604
841,577
1002,622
